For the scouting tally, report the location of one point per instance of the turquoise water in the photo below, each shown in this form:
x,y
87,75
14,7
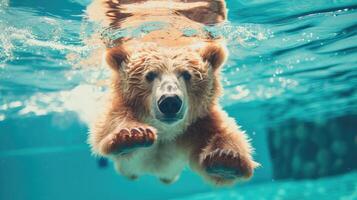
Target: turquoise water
x,y
290,82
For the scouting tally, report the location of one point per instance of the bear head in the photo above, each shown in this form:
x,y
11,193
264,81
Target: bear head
x,y
164,85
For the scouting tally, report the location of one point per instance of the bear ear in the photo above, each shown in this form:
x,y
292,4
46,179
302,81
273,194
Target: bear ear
x,y
214,54
116,57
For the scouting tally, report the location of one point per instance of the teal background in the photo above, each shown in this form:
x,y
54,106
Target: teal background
x,y
289,61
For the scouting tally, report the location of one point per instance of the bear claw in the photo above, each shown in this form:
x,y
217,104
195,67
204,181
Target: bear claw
x,y
226,164
126,140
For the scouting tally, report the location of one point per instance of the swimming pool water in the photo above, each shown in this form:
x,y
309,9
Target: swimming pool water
x,y
290,61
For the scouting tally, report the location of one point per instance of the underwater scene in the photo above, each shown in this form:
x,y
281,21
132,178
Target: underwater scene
x,y
290,82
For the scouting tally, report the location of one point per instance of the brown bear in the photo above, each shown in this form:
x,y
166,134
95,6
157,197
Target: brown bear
x,y
163,112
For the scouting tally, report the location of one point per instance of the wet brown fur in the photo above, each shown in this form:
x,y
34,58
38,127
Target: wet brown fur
x,y
208,135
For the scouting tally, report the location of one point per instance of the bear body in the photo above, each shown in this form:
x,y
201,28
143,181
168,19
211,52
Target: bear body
x,y
164,160
163,112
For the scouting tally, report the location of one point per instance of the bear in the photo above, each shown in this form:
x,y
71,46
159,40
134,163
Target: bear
x,y
163,112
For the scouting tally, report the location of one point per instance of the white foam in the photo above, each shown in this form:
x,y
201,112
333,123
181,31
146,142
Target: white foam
x,y
85,100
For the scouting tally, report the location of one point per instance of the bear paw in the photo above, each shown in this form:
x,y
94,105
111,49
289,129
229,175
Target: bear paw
x,y
126,140
226,165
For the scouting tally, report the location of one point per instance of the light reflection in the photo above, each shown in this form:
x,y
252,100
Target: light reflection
x,y
241,93
85,100
2,117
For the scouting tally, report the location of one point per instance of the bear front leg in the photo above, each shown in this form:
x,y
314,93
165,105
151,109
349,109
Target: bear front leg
x,y
226,159
220,151
118,133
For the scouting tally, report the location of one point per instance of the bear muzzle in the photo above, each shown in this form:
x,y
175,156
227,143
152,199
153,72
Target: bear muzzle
x,y
170,107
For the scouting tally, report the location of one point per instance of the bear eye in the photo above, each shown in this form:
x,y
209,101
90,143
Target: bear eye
x,y
151,76
186,75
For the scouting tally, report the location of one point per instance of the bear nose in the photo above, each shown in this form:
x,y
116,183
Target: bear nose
x,y
169,104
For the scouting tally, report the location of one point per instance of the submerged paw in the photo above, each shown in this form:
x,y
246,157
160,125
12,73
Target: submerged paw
x,y
126,140
226,164
167,181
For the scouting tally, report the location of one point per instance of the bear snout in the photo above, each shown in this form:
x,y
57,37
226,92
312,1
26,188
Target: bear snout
x,y
169,105
170,108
